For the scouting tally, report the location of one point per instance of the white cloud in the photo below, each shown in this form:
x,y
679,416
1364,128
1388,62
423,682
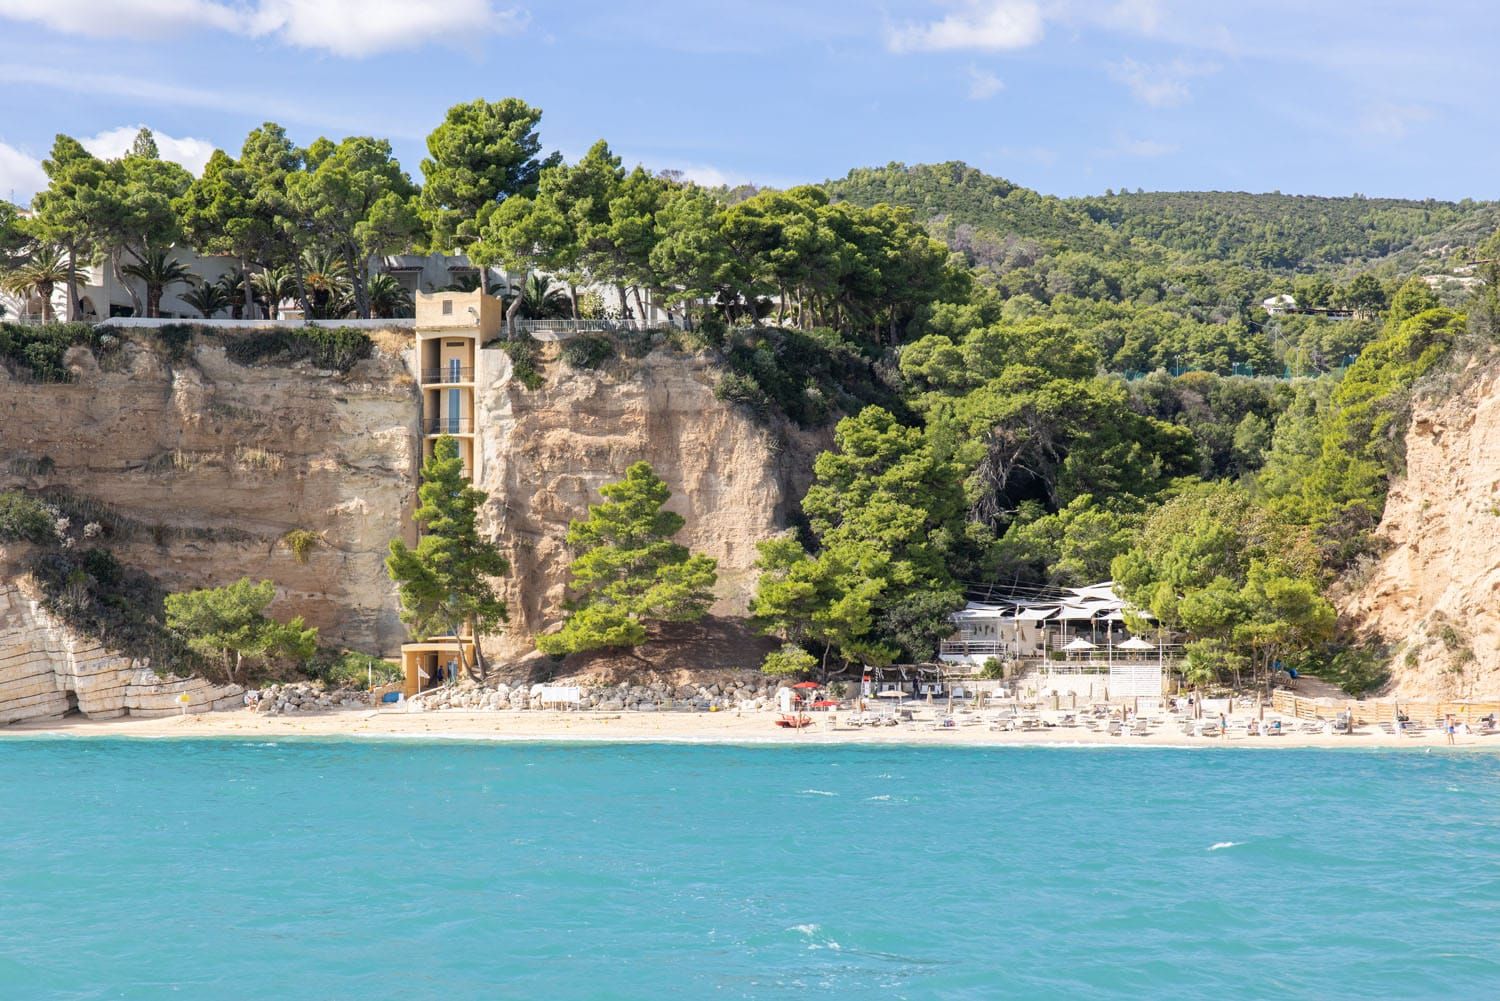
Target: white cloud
x,y
983,84
1389,122
986,25
1142,16
21,176
1161,85
343,27
364,27
122,18
259,106
191,153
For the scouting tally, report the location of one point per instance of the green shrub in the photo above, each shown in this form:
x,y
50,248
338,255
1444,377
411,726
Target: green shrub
x,y
37,350
121,608
1358,670
525,360
176,338
587,352
806,375
25,519
337,348
351,669
302,542
734,387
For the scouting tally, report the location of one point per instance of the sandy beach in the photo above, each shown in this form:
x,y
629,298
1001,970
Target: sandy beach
x,y
702,727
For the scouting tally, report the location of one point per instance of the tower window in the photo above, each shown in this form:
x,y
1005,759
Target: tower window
x,y
447,307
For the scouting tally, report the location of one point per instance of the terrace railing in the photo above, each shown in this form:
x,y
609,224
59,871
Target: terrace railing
x,y
431,376
448,425
563,329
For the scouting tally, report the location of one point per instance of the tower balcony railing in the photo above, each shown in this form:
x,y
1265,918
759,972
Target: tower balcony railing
x,y
447,425
438,376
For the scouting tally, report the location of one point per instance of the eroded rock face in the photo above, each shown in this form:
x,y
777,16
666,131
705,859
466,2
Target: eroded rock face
x,y
47,671
1433,594
544,455
214,463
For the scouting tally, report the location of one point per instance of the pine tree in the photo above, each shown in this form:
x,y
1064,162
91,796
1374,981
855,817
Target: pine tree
x,y
445,581
629,573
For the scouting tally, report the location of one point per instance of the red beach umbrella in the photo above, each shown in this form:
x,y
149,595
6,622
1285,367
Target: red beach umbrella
x,y
807,684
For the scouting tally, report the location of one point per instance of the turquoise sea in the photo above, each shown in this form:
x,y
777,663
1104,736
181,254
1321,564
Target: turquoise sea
x,y
342,869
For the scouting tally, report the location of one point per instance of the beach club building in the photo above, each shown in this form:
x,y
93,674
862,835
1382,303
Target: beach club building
x,y
1068,641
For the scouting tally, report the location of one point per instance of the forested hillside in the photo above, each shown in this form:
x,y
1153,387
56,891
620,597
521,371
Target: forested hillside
x,y
1023,390
1291,233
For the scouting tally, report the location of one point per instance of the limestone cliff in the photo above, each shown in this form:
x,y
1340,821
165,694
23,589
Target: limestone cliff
x,y
209,464
1434,595
545,453
48,671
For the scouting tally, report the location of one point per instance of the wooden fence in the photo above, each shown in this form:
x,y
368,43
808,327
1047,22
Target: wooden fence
x,y
1383,711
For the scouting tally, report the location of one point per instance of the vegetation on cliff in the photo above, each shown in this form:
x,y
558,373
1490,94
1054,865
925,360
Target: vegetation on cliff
x,y
230,624
1028,390
447,580
629,575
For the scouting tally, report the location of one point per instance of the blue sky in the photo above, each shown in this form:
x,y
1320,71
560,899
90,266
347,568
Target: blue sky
x,y
1065,96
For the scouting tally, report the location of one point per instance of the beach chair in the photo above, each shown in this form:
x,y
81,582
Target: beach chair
x,y
1141,728
1115,728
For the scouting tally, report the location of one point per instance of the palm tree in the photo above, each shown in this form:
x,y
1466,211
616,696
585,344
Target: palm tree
x,y
388,297
541,300
325,278
158,272
274,286
232,285
39,275
207,298
469,281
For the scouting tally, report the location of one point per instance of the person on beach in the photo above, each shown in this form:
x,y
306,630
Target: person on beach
x,y
1223,725
1451,727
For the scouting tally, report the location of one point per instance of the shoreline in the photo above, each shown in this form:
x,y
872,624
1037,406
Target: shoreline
x,y
725,728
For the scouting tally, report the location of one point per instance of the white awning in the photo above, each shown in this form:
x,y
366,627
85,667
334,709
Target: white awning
x,y
1035,614
1135,643
1079,644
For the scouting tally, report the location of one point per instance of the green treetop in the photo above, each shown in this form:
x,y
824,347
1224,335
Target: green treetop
x,y
483,153
230,623
72,212
356,202
446,582
629,574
